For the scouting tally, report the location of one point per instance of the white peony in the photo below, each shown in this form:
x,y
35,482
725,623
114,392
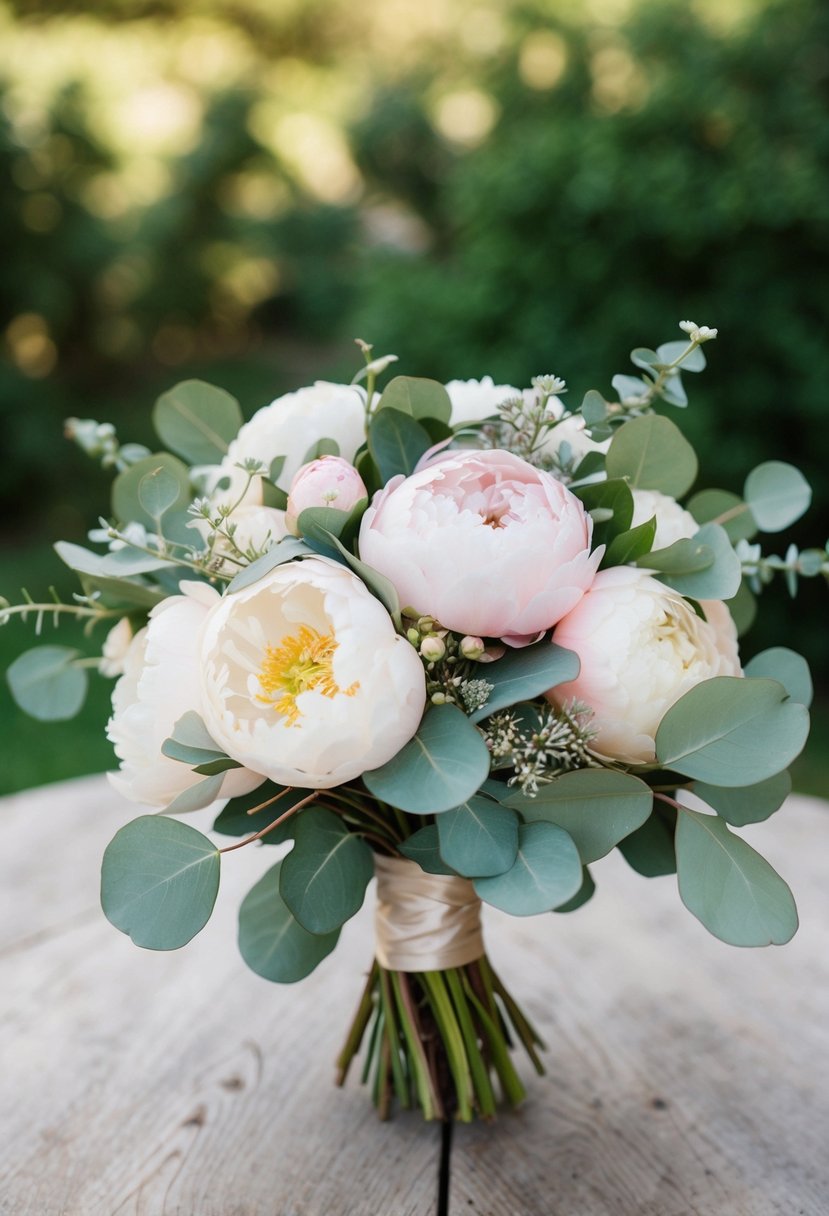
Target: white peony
x,y
115,648
641,647
474,400
673,522
305,679
161,683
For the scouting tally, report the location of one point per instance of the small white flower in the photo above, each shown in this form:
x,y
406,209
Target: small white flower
x,y
161,682
698,333
304,678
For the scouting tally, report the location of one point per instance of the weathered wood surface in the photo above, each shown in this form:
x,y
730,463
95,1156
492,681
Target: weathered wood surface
x,y
685,1078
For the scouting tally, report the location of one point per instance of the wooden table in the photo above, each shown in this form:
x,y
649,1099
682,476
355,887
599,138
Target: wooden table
x,y
685,1077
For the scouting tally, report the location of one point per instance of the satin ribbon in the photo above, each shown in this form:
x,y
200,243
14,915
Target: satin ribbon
x,y
424,922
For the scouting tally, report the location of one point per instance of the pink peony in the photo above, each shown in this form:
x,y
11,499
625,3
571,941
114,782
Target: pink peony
x,y
484,543
641,647
329,481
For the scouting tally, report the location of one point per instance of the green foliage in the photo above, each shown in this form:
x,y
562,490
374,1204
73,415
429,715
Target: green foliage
x,y
396,442
731,732
730,888
173,494
702,568
611,496
650,849
478,838
234,819
418,398
748,803
788,668
523,674
651,453
441,767
46,683
197,421
323,879
423,847
723,507
778,494
159,881
596,807
272,941
547,872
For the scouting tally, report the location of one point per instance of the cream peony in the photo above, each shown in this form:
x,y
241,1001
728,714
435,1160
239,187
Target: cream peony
x,y
673,522
483,542
304,678
641,647
161,683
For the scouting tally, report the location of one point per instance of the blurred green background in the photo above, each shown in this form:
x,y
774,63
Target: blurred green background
x,y
235,189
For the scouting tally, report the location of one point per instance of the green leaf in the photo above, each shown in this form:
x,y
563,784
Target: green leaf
x,y
321,523
645,358
593,408
597,807
122,592
743,608
46,685
614,496
119,563
478,838
778,494
322,447
629,387
441,767
650,849
126,497
379,586
197,796
748,803
284,551
702,568
630,545
653,454
190,741
726,509
585,892
197,420
730,731
422,846
158,491
272,941
547,872
668,352
396,442
159,881
324,878
730,888
234,820
417,397
788,668
526,673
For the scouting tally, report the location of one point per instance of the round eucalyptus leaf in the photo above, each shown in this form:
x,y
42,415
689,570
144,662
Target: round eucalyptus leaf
x,y
323,879
158,491
127,505
396,442
197,420
650,849
729,887
726,509
272,941
417,397
45,685
423,847
585,893
159,881
748,803
526,673
653,454
778,494
704,567
547,872
787,667
478,838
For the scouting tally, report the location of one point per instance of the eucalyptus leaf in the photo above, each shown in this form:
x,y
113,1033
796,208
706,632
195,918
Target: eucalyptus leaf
x,y
285,550
159,881
729,887
122,592
197,796
778,494
597,807
158,491
118,563
748,803
630,387
705,567
478,838
197,420
726,509
645,358
669,352
630,545
417,397
731,732
585,892
45,683
650,849
526,673
546,873
379,586
423,847
235,820
127,503
323,879
441,767
653,454
272,941
321,523
593,408
396,442
613,496
787,667
743,609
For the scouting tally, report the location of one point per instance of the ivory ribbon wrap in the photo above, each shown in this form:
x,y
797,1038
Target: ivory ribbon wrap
x,y
424,922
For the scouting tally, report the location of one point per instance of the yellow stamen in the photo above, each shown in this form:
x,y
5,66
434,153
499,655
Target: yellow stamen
x,y
304,662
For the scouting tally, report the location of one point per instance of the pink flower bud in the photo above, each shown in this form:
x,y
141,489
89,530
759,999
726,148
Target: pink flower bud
x,y
472,647
329,481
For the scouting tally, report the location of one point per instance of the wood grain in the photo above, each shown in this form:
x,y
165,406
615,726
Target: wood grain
x,y
685,1078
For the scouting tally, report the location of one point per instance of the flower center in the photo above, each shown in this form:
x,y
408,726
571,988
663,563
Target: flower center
x,y
302,663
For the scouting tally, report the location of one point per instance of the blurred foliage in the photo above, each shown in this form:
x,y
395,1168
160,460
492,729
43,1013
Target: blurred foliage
x,y
237,188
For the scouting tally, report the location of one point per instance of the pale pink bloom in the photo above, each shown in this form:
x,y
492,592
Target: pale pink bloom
x,y
484,543
641,647
329,481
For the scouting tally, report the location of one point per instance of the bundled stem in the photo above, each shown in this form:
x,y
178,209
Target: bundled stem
x,y
438,1040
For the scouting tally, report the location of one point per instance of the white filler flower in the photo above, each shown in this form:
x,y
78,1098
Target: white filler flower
x,y
161,683
641,647
305,679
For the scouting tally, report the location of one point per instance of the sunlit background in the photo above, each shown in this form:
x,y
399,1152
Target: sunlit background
x,y
235,189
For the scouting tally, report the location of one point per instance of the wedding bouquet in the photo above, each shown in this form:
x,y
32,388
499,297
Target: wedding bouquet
x,y
459,637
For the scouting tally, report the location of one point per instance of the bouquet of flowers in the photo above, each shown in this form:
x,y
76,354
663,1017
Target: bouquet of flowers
x,y
459,637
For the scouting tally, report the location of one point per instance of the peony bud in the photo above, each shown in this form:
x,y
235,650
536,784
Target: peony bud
x,y
329,481
472,648
432,648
